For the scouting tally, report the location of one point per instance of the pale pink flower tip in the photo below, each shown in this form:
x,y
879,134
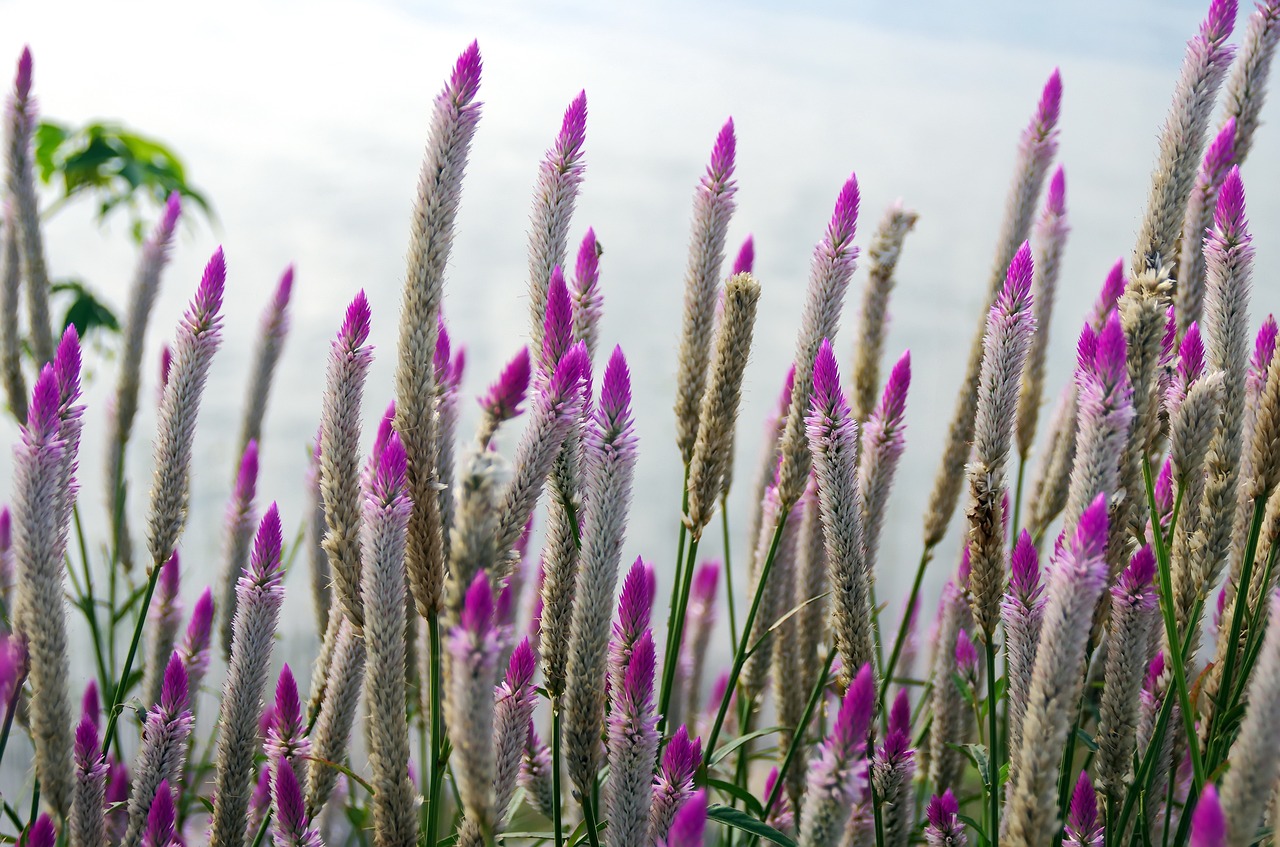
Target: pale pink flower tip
x,y
1208,826
720,171
844,220
1219,22
506,394
1016,294
355,326
1229,215
705,580
573,129
688,827
42,833
1056,201
173,692
1050,104
392,467
264,563
161,818
893,403
746,260
477,609
1222,150
521,667
615,393
557,326
172,211
465,80
208,298
635,604
854,718
22,82
1082,815
1091,532
826,378
284,290
682,756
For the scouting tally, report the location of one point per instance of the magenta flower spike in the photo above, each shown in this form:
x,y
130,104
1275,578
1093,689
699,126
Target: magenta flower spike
x,y
967,659
1083,828
557,327
502,401
22,79
90,703
163,753
1264,347
883,440
161,817
746,259
632,746
943,827
635,606
1191,364
41,833
291,824
837,780
194,647
588,301
1208,826
673,785
1112,287
1022,611
688,829
88,821
516,698
286,740
166,365
1219,157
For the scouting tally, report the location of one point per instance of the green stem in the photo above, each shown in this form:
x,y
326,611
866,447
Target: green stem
x,y
901,638
589,815
992,721
90,607
740,654
728,568
1171,631
674,636
1017,501
815,697
555,772
117,697
437,728
10,710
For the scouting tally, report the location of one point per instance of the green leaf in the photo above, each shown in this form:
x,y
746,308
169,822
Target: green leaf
x,y
738,791
977,753
345,771
86,312
738,819
1086,739
726,749
974,825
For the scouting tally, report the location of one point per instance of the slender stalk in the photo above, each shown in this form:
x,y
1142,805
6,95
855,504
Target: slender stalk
x,y
91,607
740,654
728,570
117,697
589,815
992,720
1171,631
437,729
901,638
555,772
672,610
674,636
10,710
1017,501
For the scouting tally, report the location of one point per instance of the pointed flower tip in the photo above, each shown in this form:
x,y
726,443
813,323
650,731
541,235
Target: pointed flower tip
x,y
170,577
705,580
1155,670
1264,346
723,156
1112,287
966,654
289,801
88,745
1024,566
22,81
826,377
1229,215
1220,21
66,365
42,412
504,396
42,833
202,617
587,268
1091,532
393,465
615,393
464,83
265,560
209,296
1082,815
635,604
1050,107
942,810
854,717
1208,826
521,667
288,707
1016,294
247,477
1191,356
172,211
894,400
557,324
900,713
1134,587
355,324
90,703
844,220
161,817
682,756
440,360
1222,150
638,682
1056,200
173,691
1110,353
688,827
746,261
477,608
573,129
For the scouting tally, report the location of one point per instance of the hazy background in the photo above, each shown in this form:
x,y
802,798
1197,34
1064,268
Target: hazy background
x,y
305,124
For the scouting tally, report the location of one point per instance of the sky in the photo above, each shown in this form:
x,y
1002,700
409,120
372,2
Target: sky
x,y
305,124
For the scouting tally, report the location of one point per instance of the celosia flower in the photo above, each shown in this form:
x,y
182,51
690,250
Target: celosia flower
x,y
516,698
292,825
166,617
588,302
883,440
699,623
746,259
469,703
1199,217
1208,823
673,785
892,771
943,827
164,750
535,773
161,817
780,817
632,745
1022,611
873,319
88,822
1084,827
688,829
502,401
838,775
286,743
635,606
273,329
41,833
194,648
951,720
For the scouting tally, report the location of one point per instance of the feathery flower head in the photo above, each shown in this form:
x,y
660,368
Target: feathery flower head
x,y
900,713
41,833
573,132
90,703
688,829
844,220
637,683
355,325
440,359
1208,826
1221,153
1109,355
170,578
705,580
66,366
502,400
1112,287
635,604
1219,22
1136,585
966,657
1264,347
195,644
286,713
389,482
166,365
613,413
1228,217
681,758
161,818
893,402
521,667
1024,579
586,271
854,718
1056,200
42,411
385,427
1091,533
202,315
1083,828
1164,490
828,397
88,750
174,691
22,80
1045,120
464,82
719,176
943,827
291,825
557,327
1190,357
477,608
1015,296
264,561
746,260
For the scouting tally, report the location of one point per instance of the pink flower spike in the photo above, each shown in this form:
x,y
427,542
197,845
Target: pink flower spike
x,y
943,823
746,261
208,299
386,426
1136,585
66,366
719,178
557,327
1221,152
355,326
172,211
161,818
521,667
1091,533
893,403
170,578
635,604
688,829
682,757
573,130
1208,826
22,80
1024,581
1049,109
826,379
854,718
287,713
1191,356
464,82
1016,294
900,714
705,580
389,482
441,358
1082,816
1112,288
1109,356
1056,200
1264,347
504,396
1086,349
1229,214
477,609
615,393
90,704
966,656
173,693
264,562
41,833
844,220
1219,22
166,364
195,644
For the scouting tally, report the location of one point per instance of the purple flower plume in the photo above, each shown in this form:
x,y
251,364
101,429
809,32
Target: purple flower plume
x,y
291,824
1022,612
942,822
474,648
632,744
1084,828
516,698
161,817
502,401
163,753
837,778
674,783
746,260
194,647
41,833
1208,826
690,824
88,821
635,605
588,301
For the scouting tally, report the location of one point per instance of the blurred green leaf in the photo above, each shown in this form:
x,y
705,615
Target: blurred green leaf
x,y
85,311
